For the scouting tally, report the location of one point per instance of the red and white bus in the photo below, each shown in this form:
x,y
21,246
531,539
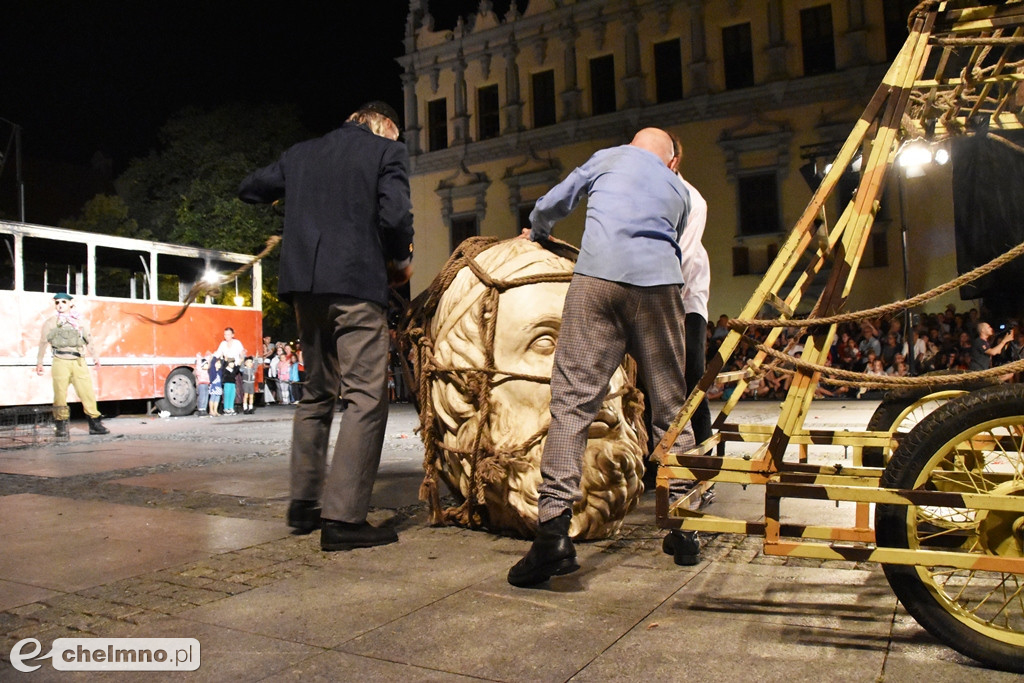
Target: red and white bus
x,y
112,280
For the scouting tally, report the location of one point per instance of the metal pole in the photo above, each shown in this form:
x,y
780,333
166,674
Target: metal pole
x,y
906,267
21,182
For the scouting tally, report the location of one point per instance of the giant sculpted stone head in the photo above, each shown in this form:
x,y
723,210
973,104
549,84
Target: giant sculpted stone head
x,y
485,353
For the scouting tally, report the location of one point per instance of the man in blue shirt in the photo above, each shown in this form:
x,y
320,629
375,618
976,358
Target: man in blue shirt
x,y
624,298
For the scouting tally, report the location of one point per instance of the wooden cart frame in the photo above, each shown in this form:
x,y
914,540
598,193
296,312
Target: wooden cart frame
x,y
983,97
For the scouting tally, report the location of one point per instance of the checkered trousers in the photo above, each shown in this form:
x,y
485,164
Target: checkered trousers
x,y
601,322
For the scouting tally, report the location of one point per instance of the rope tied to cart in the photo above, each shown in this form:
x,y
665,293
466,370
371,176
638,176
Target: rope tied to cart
x,y
885,309
841,377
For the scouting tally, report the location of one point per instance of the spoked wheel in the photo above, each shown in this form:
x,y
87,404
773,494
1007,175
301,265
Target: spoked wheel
x,y
902,409
972,444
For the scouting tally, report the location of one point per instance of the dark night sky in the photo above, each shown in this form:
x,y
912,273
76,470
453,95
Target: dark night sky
x,y
87,77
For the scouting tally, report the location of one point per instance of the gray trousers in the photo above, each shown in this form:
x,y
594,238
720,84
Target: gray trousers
x,y
345,348
601,322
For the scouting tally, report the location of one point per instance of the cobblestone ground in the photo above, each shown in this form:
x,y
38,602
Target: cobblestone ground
x,y
109,608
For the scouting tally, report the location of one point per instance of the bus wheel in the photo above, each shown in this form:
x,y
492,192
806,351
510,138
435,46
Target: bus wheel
x,y
180,392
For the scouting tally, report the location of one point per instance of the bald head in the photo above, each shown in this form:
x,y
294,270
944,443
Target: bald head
x,y
656,141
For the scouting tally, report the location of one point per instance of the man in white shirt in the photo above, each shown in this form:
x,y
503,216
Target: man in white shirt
x,y
230,348
696,269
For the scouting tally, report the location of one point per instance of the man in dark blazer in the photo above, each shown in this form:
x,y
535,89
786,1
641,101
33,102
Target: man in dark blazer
x,y
347,237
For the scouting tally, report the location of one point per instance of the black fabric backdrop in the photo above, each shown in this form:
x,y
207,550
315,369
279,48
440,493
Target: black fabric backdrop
x,y
988,212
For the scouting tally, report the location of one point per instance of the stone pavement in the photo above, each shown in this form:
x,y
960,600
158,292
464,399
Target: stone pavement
x,y
173,528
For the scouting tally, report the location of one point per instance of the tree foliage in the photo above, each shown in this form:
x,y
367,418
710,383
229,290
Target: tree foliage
x,y
108,215
184,192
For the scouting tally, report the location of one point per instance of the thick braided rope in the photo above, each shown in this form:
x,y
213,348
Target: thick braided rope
x,y
912,302
863,379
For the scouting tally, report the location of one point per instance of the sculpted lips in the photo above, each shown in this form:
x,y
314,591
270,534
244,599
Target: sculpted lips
x,y
604,423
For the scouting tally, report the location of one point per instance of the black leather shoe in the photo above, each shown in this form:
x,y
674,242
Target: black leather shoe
x,y
60,429
304,516
684,546
96,427
346,536
552,554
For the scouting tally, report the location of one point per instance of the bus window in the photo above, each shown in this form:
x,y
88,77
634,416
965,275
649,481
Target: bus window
x,y
7,262
176,275
54,266
122,273
237,292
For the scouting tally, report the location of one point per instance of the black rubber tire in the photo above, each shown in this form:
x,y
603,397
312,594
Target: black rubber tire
x,y
180,392
898,400
910,468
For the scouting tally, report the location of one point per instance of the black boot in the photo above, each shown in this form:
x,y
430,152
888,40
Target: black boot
x,y
552,554
60,429
95,426
304,516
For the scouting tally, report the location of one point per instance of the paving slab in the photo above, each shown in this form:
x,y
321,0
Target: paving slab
x,y
82,457
840,599
268,478
89,542
914,650
225,654
330,667
15,594
323,608
174,528
682,645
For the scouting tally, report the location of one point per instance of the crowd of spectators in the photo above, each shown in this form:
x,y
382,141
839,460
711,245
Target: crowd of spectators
x,y
283,372
947,341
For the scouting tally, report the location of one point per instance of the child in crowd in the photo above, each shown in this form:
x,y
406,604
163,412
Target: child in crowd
x,y
216,387
228,377
202,373
284,376
248,386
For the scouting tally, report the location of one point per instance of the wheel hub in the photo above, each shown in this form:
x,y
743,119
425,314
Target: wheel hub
x,y
1001,532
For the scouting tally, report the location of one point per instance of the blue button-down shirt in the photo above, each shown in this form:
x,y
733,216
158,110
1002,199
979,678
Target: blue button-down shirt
x,y
636,211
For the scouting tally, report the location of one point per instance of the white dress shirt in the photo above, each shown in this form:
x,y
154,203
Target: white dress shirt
x,y
695,264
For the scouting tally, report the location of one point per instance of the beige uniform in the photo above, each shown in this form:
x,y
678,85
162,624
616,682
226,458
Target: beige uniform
x,y
69,367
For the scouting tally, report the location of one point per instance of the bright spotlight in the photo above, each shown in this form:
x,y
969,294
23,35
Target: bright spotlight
x,y
211,277
239,300
941,156
915,155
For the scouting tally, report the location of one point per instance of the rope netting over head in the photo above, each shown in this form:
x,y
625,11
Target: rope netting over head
x,y
482,341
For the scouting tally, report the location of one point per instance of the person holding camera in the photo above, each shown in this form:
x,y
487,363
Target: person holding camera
x,y
982,349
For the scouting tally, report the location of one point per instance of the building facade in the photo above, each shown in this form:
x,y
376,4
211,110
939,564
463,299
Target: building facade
x,y
762,94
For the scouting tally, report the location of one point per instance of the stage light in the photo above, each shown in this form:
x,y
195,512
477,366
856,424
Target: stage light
x,y
915,155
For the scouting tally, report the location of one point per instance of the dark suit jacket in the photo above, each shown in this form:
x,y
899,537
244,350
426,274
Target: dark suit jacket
x,y
348,212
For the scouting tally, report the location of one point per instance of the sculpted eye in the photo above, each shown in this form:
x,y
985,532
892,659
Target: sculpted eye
x,y
543,344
